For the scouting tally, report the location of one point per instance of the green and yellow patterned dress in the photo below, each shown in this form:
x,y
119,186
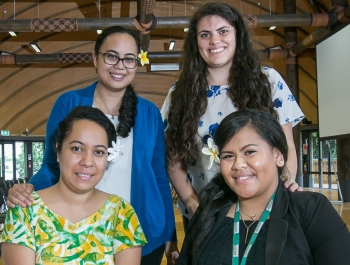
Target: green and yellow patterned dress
x,y
56,240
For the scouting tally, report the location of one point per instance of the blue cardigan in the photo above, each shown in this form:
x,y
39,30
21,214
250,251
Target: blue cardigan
x,y
150,191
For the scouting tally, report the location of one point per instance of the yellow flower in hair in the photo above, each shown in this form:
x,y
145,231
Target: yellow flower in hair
x,y
143,58
213,151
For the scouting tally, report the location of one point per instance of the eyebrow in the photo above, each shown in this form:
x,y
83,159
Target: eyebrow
x,y
205,31
244,147
130,53
78,142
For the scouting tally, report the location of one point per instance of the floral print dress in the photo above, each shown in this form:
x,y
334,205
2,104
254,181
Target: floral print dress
x,y
219,106
55,240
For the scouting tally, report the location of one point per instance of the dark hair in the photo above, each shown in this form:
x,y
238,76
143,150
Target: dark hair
x,y
127,111
248,85
217,194
266,126
84,113
116,30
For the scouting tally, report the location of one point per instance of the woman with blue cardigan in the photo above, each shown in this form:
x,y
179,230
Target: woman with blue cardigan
x,y
138,170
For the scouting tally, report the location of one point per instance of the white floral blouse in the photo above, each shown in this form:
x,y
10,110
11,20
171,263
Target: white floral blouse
x,y
219,106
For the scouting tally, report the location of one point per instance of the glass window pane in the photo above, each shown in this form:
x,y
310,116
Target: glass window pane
x,y
1,165
38,154
8,154
20,161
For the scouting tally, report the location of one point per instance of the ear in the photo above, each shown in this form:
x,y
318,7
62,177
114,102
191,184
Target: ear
x,y
279,159
58,154
94,59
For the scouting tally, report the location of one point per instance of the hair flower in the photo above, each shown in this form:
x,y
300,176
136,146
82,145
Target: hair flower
x,y
213,151
115,152
143,58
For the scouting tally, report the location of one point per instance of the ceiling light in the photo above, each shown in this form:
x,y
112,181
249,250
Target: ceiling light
x,y
5,53
278,47
186,29
35,47
99,31
272,27
13,34
165,66
171,45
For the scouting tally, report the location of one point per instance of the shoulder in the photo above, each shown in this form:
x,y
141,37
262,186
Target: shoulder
x,y
270,72
146,105
114,201
78,93
307,201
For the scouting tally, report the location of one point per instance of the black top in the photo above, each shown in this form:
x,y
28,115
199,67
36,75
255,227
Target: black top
x,y
218,251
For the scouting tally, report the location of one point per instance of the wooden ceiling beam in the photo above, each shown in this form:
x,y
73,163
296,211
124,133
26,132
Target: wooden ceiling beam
x,y
153,56
87,24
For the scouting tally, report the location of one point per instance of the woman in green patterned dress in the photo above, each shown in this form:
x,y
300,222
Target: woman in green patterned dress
x,y
72,222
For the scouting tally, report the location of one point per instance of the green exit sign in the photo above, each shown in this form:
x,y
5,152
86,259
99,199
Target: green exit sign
x,y
5,132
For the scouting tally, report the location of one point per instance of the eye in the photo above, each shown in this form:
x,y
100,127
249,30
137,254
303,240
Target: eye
x,y
129,60
204,35
227,156
249,152
100,152
111,56
223,31
76,149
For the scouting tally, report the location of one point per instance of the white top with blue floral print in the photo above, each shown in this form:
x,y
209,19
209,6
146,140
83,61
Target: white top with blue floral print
x,y
219,106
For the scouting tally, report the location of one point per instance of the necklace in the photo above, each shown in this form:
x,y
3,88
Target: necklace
x,y
250,216
247,227
105,105
236,223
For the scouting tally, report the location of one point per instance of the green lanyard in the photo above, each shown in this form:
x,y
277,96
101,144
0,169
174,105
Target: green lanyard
x,y
264,216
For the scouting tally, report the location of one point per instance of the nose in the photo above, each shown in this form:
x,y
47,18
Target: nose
x,y
119,65
87,160
214,39
239,163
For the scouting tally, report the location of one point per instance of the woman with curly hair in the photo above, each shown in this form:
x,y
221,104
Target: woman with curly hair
x,y
221,74
138,169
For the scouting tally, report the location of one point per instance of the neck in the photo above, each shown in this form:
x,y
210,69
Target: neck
x,y
218,76
256,205
68,196
108,101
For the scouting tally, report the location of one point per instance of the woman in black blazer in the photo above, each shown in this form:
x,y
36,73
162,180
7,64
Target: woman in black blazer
x,y
247,217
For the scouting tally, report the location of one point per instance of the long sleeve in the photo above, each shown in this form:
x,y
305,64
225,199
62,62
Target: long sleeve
x,y
327,234
48,174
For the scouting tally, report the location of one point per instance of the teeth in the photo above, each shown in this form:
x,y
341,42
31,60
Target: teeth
x,y
242,178
117,76
84,175
217,50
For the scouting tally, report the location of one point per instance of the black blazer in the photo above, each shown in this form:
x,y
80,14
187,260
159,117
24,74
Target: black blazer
x,y
304,229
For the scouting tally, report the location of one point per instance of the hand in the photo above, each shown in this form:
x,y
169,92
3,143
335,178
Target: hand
x,y
192,206
19,194
289,183
171,252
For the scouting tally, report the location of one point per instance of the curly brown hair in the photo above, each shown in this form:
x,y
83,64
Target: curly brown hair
x,y
249,87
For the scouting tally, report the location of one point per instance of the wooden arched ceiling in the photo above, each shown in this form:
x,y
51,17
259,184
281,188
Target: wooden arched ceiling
x,y
28,91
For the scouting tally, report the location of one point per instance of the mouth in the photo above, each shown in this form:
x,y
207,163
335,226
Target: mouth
x,y
84,176
117,77
217,50
243,178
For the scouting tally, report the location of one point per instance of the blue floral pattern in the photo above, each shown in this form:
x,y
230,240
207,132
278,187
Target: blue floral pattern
x,y
219,106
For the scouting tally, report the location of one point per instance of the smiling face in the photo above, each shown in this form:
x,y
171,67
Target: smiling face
x,y
83,156
116,77
216,41
249,165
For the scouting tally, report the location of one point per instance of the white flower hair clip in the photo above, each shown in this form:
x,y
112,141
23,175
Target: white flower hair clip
x,y
213,151
115,152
